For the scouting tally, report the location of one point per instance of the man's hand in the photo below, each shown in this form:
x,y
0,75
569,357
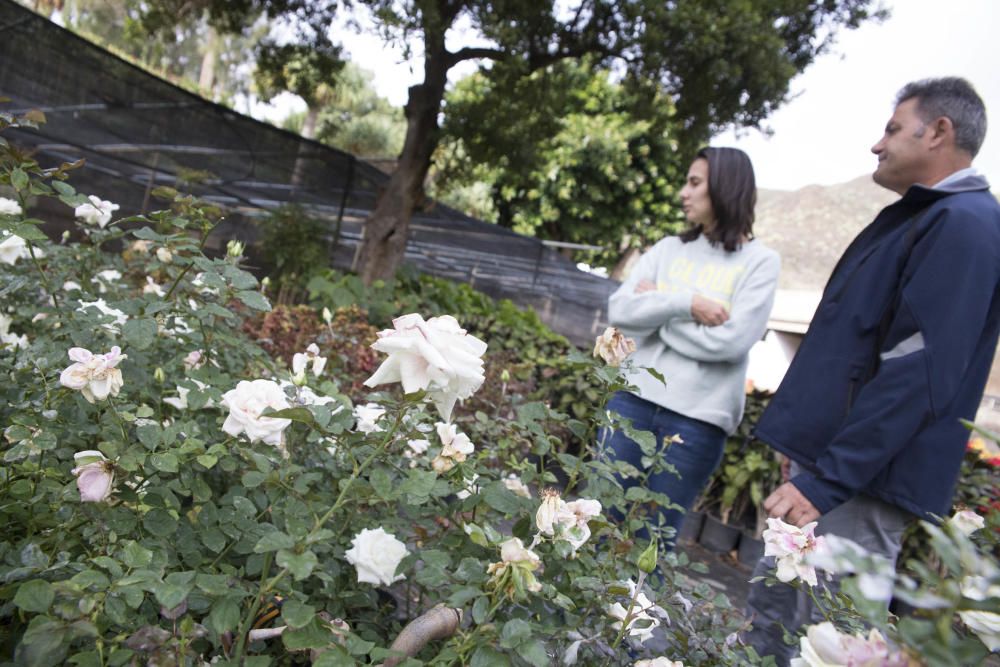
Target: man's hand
x,y
788,503
645,286
708,312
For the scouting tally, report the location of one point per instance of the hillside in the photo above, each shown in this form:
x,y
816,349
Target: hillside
x,y
812,226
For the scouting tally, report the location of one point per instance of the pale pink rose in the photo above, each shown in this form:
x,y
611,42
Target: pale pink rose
x,y
613,347
825,646
96,376
194,360
247,402
436,356
95,476
96,212
790,545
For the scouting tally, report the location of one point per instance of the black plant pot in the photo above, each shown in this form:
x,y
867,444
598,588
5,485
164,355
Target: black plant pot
x,y
717,536
751,549
691,527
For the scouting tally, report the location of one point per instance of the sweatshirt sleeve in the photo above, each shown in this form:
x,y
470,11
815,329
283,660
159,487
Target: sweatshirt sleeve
x,y
747,321
645,313
945,303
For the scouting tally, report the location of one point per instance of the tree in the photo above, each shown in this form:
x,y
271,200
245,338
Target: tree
x,y
721,61
574,157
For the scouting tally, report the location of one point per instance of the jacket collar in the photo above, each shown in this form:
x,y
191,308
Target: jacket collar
x,y
962,181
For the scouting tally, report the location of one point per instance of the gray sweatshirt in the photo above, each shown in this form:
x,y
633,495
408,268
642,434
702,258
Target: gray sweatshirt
x,y
704,367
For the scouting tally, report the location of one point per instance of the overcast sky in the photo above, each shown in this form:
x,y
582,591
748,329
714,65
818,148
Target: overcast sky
x,y
842,101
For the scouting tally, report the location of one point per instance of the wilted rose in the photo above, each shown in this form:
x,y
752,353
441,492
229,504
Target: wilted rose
x,y
246,403
659,662
194,360
613,347
180,401
376,554
516,568
118,316
436,356
96,376
640,624
96,212
95,476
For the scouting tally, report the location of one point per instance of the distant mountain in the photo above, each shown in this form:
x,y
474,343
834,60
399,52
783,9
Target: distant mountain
x,y
812,226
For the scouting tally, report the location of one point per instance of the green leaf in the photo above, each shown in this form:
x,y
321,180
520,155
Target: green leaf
x,y
171,595
34,596
252,479
296,614
486,656
18,178
135,555
335,657
165,462
140,332
274,541
314,635
225,615
254,300
160,523
207,460
63,188
149,435
500,498
300,565
514,632
382,483
534,652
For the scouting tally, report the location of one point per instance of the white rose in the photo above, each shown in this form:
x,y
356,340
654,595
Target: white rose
x,y
164,255
71,286
457,446
152,287
985,624
471,488
93,375
517,486
95,476
311,356
966,522
9,207
246,403
549,511
436,356
97,212
376,554
659,662
120,318
367,417
514,551
180,401
8,339
613,347
12,249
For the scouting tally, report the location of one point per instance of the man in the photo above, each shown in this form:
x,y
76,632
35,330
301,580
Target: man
x,y
899,350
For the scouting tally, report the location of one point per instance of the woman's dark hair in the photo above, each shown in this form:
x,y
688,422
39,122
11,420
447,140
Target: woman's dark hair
x,y
732,189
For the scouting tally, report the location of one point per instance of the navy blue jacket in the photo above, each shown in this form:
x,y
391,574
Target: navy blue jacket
x,y
886,421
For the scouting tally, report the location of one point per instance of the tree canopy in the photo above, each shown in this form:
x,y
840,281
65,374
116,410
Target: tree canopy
x,y
721,62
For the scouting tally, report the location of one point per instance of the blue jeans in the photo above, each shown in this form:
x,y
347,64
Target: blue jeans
x,y
695,459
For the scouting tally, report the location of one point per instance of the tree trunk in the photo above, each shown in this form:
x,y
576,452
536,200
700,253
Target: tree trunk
x,y
386,229
206,76
309,132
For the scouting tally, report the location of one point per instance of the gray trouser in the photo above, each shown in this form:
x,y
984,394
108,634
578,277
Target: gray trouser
x,y
872,523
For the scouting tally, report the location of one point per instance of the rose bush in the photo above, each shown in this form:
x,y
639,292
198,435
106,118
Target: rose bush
x,y
140,529
163,522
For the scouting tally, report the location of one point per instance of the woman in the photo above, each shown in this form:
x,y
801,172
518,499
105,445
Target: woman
x,y
695,304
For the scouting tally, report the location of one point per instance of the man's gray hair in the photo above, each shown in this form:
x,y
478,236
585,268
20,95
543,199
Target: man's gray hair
x,y
955,98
